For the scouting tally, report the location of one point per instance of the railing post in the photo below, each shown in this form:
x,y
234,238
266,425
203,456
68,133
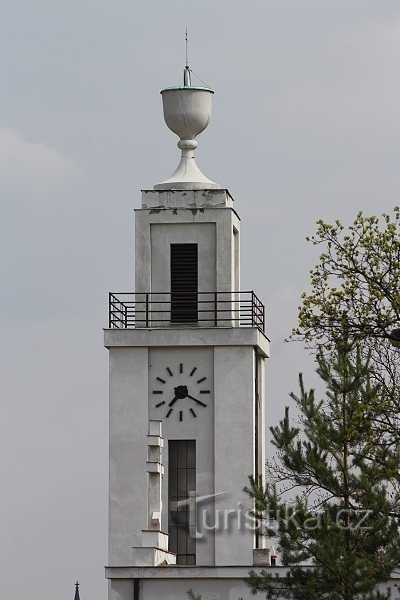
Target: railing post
x,y
126,316
215,309
109,310
147,309
252,308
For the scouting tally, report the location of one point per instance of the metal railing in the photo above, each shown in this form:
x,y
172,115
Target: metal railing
x,y
131,310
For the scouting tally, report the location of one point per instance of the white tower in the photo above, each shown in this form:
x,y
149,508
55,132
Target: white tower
x,y
187,353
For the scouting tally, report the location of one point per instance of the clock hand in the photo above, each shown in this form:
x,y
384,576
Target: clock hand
x,y
195,399
173,401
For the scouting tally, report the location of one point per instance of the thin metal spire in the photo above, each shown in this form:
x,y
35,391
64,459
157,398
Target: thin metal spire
x,y
186,46
187,79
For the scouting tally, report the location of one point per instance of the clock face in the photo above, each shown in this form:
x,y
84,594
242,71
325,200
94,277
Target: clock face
x,y
180,392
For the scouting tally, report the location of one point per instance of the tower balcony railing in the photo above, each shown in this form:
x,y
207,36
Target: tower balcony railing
x,y
135,310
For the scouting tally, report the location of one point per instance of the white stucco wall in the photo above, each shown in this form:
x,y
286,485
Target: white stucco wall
x,y
224,431
234,449
121,589
199,428
216,589
177,589
222,219
128,428
212,584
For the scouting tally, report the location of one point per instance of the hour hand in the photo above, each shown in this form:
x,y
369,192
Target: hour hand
x,y
196,400
173,401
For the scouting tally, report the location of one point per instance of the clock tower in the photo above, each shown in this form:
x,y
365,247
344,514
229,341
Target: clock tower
x,y
187,351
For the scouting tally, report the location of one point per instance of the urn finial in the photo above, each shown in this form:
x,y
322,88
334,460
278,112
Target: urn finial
x,y
187,112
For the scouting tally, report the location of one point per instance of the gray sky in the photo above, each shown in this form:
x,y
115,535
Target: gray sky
x,y
305,126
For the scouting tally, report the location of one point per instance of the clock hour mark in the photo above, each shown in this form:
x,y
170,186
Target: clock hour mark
x,y
193,413
201,380
169,412
181,415
193,371
170,373
204,391
160,404
160,379
181,368
158,392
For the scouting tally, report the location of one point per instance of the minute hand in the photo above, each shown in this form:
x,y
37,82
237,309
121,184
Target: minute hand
x,y
196,400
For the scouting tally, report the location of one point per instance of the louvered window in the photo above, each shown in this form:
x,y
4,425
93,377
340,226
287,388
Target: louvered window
x,y
181,481
184,283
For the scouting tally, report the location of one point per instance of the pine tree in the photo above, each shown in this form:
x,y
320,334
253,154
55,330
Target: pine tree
x,y
332,501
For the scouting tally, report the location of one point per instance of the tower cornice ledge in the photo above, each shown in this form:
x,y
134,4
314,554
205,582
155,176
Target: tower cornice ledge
x,y
196,336
191,198
240,572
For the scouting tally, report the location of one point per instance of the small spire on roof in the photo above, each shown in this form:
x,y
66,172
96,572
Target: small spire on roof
x,y
77,597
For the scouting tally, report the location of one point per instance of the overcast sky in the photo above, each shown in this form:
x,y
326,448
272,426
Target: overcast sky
x,y
305,125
